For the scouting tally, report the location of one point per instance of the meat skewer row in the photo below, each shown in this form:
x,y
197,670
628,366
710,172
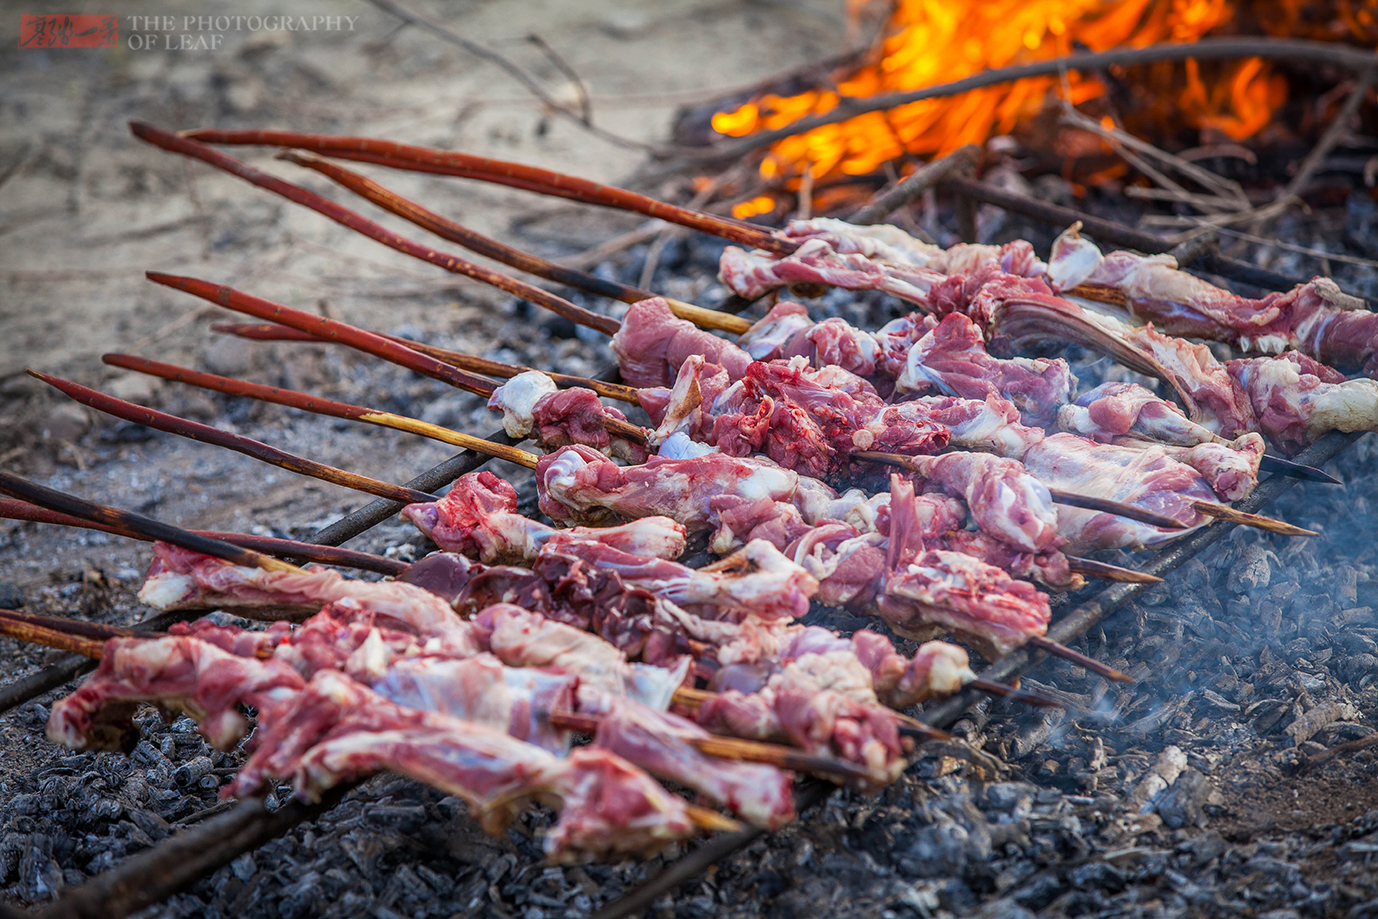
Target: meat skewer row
x,y
1114,412
176,573
596,598
355,221
1128,272
830,721
540,420
1016,308
328,729
366,341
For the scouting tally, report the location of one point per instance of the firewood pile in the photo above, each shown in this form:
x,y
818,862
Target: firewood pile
x,y
1024,567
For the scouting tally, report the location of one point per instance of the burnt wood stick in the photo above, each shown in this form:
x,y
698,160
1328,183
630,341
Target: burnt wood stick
x,y
1118,508
206,434
958,162
42,496
270,331
1058,649
455,232
516,175
319,406
361,224
270,545
1281,466
360,339
991,687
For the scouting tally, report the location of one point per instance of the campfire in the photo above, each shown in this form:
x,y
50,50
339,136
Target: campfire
x,y
1192,103
760,562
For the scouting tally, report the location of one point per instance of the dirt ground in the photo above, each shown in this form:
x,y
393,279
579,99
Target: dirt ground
x,y
85,208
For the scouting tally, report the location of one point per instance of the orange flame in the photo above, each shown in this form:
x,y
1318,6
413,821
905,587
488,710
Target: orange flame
x,y
938,41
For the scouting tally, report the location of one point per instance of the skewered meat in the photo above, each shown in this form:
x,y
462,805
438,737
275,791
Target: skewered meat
x,y
1316,318
652,344
1146,478
178,674
1296,399
481,508
478,516
533,406
334,730
953,360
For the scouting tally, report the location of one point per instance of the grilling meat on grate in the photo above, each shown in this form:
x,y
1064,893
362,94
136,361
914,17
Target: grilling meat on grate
x,y
950,590
524,638
1002,290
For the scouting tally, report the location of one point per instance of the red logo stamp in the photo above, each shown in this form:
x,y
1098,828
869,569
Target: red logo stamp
x,y
82,30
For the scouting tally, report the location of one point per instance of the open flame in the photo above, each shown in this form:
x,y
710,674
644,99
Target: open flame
x,y
937,41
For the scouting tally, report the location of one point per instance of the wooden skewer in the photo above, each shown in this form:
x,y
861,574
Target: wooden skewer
x,y
360,339
270,331
711,821
319,406
20,627
271,545
375,231
44,497
1109,572
1286,467
751,751
920,465
206,434
516,175
1090,663
1258,521
101,630
1118,508
508,255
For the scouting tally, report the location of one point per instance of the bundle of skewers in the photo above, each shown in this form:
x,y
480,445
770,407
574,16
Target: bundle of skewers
x,y
923,474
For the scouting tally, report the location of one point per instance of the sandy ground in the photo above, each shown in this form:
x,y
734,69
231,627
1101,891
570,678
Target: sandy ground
x,y
85,208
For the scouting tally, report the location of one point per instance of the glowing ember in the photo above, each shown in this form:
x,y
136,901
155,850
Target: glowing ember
x,y
937,41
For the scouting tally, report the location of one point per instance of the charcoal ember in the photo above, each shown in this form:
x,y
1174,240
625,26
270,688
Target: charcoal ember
x,y
1317,719
190,774
40,876
1252,569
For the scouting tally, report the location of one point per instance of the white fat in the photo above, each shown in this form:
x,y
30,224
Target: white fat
x,y
946,675
681,446
1073,259
370,658
767,481
655,686
815,500
517,399
163,590
917,376
862,516
1265,344
1350,406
